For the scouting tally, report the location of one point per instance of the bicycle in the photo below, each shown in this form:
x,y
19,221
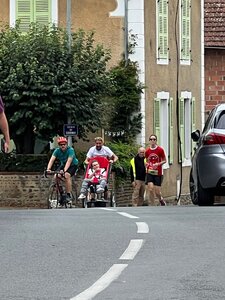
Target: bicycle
x,y
57,196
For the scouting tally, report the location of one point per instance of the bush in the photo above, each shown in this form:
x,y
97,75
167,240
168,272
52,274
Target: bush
x,y
23,163
125,152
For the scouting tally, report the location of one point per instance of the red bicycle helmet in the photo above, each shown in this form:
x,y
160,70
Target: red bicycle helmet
x,y
61,140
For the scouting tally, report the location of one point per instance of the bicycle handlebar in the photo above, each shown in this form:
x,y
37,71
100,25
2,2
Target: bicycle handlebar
x,y
59,172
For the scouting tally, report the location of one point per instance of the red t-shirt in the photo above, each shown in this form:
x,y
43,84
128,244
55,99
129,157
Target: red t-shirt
x,y
154,156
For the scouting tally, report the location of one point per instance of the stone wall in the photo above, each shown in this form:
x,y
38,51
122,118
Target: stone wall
x,y
30,190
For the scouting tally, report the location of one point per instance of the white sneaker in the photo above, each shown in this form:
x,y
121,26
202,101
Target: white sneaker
x,y
82,196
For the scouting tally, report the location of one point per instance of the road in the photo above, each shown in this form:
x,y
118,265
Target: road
x,y
144,253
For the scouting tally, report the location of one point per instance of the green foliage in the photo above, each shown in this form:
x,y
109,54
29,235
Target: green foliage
x,y
123,102
125,152
43,81
23,163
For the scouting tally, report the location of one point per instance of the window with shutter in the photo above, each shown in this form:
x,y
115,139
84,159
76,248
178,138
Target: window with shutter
x,y
186,122
181,123
162,31
171,141
185,31
162,123
28,11
193,122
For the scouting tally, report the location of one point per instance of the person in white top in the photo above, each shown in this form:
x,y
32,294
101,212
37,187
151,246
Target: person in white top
x,y
100,150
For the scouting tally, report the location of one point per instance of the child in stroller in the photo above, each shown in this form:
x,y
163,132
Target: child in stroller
x,y
96,179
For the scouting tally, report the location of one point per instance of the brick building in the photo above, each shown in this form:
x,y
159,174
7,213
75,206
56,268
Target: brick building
x,y
214,53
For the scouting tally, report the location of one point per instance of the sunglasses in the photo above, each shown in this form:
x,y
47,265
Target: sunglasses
x,y
152,139
62,145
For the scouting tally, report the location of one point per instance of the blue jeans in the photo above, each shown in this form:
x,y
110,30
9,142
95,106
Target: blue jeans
x,y
87,182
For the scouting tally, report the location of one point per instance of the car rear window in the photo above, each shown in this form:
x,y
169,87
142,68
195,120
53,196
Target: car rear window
x,y
220,121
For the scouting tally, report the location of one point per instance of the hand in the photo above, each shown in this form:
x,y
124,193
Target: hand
x,y
6,147
111,161
133,184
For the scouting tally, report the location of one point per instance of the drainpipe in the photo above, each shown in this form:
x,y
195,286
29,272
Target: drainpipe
x,y
126,30
68,30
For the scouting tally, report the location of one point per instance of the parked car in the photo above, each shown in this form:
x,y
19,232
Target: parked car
x,y
207,175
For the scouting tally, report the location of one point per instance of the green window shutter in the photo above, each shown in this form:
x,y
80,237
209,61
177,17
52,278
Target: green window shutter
x,y
171,142
24,12
42,11
193,122
181,124
185,30
162,29
157,103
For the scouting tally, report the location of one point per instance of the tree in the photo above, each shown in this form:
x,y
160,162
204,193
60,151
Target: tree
x,y
124,119
42,80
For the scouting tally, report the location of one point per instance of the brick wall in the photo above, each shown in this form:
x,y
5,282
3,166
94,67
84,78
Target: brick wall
x,y
31,191
214,77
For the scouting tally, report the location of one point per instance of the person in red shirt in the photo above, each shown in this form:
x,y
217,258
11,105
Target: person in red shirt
x,y
155,158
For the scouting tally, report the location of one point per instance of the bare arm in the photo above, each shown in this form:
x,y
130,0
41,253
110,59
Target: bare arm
x,y
114,158
51,162
68,163
5,130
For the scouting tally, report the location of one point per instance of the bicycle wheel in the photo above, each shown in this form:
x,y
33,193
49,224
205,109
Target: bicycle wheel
x,y
53,197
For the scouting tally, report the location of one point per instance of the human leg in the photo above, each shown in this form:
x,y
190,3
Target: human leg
x,y
141,193
151,190
101,186
158,181
136,193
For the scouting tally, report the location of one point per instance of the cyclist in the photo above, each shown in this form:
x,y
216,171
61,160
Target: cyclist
x,y
68,163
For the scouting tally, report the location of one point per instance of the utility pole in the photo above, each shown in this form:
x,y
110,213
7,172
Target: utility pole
x,y
68,30
126,31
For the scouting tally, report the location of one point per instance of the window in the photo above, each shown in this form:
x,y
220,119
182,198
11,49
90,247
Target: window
x,y
41,11
162,31
186,126
185,31
163,124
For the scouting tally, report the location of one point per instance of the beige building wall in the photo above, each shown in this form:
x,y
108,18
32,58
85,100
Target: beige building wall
x,y
4,12
95,15
169,79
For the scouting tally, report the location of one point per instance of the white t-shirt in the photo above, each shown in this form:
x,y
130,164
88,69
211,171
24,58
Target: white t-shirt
x,y
104,151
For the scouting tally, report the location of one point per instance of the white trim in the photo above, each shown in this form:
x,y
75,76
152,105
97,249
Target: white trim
x,y
202,67
120,9
12,12
164,96
136,24
187,95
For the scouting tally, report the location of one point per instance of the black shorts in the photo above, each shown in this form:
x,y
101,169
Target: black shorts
x,y
71,170
155,179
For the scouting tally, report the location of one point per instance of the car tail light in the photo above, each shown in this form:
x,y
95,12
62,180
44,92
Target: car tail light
x,y
214,138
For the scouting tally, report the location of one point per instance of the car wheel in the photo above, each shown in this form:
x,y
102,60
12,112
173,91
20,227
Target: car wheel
x,y
193,190
205,196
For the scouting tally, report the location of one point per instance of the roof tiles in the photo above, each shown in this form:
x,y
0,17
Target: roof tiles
x,y
214,23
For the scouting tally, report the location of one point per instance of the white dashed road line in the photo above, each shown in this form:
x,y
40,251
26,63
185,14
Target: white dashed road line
x,y
128,215
102,283
114,272
132,249
142,227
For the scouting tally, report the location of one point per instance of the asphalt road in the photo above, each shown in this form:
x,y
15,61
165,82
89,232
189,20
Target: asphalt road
x,y
145,253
